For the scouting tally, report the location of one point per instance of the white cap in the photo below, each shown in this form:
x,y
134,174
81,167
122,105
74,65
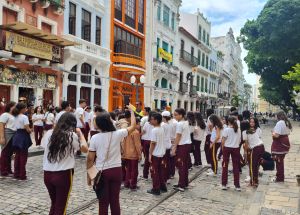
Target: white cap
x,y
166,113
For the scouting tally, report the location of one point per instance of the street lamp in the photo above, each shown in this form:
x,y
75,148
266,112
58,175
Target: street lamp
x,y
137,85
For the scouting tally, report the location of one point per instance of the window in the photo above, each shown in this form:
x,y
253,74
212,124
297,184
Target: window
x,y
164,83
141,16
165,47
72,77
159,11
204,35
97,96
203,60
199,57
199,32
46,28
130,12
206,85
192,51
198,83
86,25
86,69
202,84
72,18
157,46
207,39
118,9
172,53
181,48
192,106
173,21
178,104
98,30
97,78
206,62
9,16
166,16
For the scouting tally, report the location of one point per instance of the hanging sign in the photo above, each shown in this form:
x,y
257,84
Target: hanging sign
x,y
165,55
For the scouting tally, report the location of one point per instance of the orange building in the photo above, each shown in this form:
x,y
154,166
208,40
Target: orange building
x,y
128,52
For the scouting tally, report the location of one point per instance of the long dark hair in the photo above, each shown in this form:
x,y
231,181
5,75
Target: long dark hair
x,y
8,106
62,137
233,123
17,110
190,116
36,108
216,121
256,122
199,120
282,116
104,122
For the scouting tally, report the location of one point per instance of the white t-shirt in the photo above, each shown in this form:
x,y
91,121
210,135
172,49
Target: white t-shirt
x,y
147,129
20,121
233,139
50,118
86,116
167,134
8,120
214,135
78,113
99,143
39,119
183,129
68,162
91,120
253,139
157,136
207,129
173,123
199,133
59,115
281,128
144,120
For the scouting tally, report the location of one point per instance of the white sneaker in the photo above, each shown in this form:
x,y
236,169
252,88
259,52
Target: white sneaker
x,y
238,189
224,187
211,174
247,180
207,165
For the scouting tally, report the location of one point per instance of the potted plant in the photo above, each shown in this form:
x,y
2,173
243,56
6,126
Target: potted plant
x,y
45,3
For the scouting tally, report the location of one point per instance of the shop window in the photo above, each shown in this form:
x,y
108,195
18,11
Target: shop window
x,y
118,9
46,28
86,70
71,94
72,18
130,12
72,77
164,83
97,96
86,25
85,93
97,78
98,30
141,16
9,16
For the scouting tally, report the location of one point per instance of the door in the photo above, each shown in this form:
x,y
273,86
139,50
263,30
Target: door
x,y
85,93
97,96
5,93
72,95
48,98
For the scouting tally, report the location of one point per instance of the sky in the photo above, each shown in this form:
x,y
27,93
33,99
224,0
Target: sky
x,y
224,14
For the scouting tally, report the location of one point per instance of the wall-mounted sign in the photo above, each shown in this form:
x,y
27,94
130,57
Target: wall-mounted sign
x,y
32,47
165,55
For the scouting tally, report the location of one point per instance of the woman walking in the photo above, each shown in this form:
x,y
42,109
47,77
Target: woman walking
x,y
38,124
105,148
198,137
7,132
281,144
61,145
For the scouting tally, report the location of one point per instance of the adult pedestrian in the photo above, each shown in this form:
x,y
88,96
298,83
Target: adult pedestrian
x,y
38,124
198,137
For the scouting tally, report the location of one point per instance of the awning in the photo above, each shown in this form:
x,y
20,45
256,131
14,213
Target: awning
x,y
29,30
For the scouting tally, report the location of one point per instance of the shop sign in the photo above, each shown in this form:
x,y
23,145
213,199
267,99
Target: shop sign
x,y
27,78
165,55
32,47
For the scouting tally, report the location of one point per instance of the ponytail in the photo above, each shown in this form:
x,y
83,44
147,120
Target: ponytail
x,y
232,121
17,110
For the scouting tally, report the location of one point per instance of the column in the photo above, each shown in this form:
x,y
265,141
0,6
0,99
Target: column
x,y
39,97
105,87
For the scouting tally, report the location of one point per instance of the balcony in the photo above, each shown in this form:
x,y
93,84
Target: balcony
x,y
188,58
127,59
183,87
92,50
161,68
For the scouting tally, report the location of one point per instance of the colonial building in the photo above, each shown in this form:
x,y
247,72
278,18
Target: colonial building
x,y
128,52
31,50
87,23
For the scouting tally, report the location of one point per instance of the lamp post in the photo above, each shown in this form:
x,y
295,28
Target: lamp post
x,y
137,85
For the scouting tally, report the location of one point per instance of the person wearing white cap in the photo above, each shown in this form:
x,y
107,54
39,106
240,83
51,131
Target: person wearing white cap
x,y
167,126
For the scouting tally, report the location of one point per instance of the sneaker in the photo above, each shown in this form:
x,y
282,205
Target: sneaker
x,y
163,189
238,189
154,192
211,174
207,165
247,180
176,187
224,187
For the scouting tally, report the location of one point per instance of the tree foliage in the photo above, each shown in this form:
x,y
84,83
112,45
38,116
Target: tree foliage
x,y
294,76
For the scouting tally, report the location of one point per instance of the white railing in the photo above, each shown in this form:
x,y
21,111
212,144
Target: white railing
x,y
89,47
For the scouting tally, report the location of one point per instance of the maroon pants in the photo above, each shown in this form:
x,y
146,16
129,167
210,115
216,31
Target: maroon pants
x,y
5,159
38,134
234,153
92,133
59,186
279,160
254,163
20,164
86,131
172,166
48,127
131,167
197,152
182,154
214,160
146,147
166,165
111,197
157,174
207,149
123,163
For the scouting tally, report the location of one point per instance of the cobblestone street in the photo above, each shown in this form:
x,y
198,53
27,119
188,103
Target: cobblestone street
x,y
204,196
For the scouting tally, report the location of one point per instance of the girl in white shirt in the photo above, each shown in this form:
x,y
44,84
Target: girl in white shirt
x,y
254,144
97,110
87,111
38,124
281,144
105,147
49,119
191,119
198,135
231,139
61,145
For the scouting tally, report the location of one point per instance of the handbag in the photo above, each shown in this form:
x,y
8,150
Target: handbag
x,y
98,185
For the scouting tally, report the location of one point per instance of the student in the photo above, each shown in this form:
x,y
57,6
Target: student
x,y
7,132
79,114
199,132
145,118
207,151
61,144
281,144
173,123
49,119
105,147
65,107
191,119
87,112
216,127
225,125
231,139
146,140
38,124
167,126
182,148
254,144
21,141
156,153
93,129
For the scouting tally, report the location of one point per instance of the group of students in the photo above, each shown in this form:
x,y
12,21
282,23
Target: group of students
x,y
118,143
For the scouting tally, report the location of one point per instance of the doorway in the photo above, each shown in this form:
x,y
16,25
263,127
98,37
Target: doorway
x,y
28,94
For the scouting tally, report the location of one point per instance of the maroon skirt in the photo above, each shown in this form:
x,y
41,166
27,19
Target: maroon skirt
x,y
280,145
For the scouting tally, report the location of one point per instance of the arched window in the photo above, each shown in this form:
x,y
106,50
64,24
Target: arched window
x,y
97,78
156,83
72,77
164,83
86,69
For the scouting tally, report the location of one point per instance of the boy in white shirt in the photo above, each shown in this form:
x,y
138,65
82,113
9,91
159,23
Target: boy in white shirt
x,y
156,154
79,114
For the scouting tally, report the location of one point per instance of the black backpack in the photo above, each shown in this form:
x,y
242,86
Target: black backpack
x,y
267,162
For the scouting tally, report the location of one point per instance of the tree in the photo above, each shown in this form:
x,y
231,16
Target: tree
x,y
294,76
273,44
236,100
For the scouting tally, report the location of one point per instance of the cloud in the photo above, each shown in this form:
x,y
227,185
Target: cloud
x,y
224,14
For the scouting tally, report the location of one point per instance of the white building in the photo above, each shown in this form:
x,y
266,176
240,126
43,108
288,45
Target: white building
x,y
87,23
